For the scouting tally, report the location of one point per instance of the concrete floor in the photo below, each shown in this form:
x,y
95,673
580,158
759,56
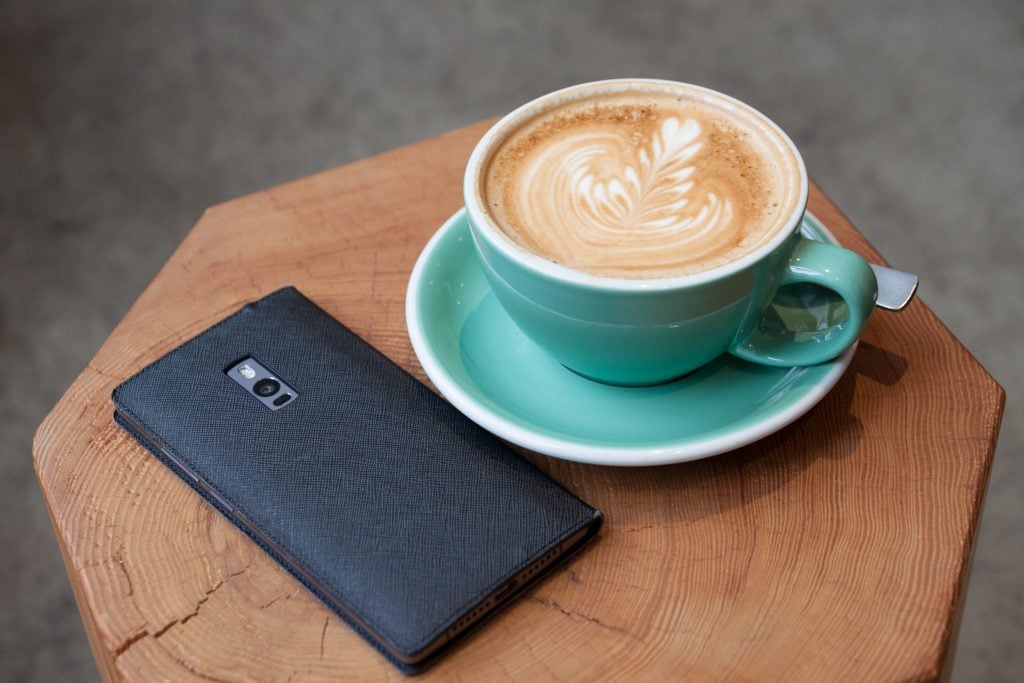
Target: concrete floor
x,y
120,121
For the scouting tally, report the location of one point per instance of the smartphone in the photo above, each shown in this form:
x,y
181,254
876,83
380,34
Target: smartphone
x,y
410,522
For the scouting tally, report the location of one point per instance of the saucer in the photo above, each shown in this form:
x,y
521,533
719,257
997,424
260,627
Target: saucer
x,y
489,370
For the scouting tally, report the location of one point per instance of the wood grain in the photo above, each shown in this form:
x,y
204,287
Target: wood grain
x,y
837,549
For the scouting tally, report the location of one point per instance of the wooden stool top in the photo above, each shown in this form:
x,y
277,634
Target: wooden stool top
x,y
837,549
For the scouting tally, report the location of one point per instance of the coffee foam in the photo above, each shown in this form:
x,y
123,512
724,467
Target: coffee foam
x,y
641,184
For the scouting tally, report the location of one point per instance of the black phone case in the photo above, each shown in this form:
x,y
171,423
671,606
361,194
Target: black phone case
x,y
398,512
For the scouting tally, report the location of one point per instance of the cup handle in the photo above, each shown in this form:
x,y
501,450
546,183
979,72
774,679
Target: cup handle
x,y
831,267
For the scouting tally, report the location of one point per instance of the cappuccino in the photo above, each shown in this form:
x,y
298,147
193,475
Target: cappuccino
x,y
641,182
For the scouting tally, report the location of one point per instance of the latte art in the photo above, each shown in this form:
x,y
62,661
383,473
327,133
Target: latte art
x,y
649,199
637,187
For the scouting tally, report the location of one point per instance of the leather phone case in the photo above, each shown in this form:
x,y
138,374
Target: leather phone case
x,y
398,512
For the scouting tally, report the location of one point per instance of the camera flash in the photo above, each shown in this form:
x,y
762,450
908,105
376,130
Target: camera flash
x,y
246,371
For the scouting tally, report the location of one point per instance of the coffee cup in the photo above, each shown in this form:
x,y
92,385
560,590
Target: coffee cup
x,y
636,229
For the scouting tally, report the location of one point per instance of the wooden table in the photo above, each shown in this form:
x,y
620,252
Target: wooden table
x,y
837,549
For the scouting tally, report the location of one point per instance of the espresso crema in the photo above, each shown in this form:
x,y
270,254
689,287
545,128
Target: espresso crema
x,y
642,184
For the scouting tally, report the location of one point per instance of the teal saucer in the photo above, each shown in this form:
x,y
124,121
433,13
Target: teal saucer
x,y
487,368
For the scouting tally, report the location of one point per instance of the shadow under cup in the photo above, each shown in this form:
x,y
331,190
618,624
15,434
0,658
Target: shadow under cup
x,y
637,332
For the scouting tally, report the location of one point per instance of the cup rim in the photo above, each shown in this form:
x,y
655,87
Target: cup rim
x,y
484,226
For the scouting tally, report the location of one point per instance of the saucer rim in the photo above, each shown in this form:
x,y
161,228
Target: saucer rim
x,y
567,449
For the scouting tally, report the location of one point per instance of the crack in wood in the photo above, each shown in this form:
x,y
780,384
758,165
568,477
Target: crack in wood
x,y
323,634
645,527
136,637
572,614
129,641
268,604
119,559
279,597
166,628
104,373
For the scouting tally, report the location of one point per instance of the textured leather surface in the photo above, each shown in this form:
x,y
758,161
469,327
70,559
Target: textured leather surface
x,y
407,513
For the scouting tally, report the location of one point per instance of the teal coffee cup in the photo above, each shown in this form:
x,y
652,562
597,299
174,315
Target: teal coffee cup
x,y
612,220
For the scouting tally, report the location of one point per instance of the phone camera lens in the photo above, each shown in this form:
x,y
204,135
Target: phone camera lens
x,y
266,387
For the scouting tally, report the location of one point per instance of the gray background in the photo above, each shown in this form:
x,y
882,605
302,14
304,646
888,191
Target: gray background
x,y
120,121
